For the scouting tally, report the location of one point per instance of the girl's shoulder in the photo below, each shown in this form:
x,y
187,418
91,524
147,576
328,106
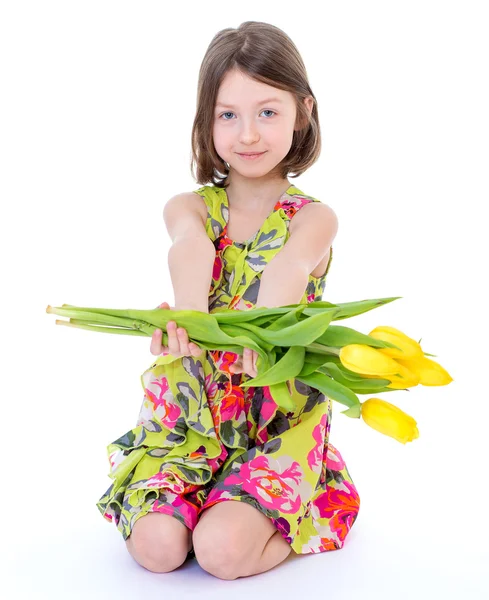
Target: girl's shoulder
x,y
193,201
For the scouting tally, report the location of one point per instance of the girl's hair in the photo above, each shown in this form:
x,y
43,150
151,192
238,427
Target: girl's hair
x,y
264,53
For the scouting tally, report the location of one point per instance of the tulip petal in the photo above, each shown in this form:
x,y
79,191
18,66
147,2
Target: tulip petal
x,y
429,371
366,360
409,348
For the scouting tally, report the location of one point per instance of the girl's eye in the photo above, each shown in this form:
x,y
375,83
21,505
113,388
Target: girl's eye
x,y
231,113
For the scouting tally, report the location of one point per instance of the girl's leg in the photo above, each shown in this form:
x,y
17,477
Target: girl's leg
x,y
159,542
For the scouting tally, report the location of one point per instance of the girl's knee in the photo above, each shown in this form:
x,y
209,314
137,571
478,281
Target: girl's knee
x,y
159,543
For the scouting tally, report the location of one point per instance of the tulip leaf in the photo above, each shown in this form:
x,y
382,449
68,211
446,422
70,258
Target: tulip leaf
x,y
228,315
287,320
372,390
286,368
350,375
330,388
339,336
352,309
337,374
300,334
249,338
348,309
307,369
280,393
355,411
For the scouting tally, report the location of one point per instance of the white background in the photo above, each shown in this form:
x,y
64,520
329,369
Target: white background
x,y
97,105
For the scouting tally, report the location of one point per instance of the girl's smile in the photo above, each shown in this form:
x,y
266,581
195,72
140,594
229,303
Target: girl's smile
x,y
251,156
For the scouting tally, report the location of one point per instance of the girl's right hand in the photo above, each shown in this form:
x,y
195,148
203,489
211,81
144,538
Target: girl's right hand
x,y
178,342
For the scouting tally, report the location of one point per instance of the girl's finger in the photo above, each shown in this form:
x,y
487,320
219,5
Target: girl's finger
x,y
173,343
183,340
156,339
196,350
236,367
252,372
247,361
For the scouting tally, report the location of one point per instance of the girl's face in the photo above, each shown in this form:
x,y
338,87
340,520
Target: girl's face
x,y
250,116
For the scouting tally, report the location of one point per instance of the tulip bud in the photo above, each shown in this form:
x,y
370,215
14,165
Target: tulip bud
x,y
366,360
389,420
409,348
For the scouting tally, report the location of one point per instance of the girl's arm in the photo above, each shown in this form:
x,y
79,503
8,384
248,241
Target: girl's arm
x,y
192,254
284,280
282,284
191,260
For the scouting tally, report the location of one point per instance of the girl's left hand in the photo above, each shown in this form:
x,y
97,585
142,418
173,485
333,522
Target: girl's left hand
x,y
246,363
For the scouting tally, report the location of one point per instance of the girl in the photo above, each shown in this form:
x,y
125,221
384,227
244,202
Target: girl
x,y
249,239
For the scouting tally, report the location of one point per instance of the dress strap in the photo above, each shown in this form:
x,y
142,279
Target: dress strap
x,y
216,221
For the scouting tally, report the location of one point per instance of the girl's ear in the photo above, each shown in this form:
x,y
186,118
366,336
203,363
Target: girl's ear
x,y
301,121
309,102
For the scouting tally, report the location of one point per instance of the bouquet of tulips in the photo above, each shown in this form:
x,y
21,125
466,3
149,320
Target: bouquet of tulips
x,y
296,341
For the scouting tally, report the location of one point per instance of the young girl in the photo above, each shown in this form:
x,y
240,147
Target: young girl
x,y
248,239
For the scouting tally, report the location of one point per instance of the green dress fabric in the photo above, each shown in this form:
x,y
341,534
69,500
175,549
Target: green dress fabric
x,y
201,438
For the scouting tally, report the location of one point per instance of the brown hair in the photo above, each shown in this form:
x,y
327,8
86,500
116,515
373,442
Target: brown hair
x,y
265,53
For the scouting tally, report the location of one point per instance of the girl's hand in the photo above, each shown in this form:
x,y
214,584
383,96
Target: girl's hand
x,y
246,363
178,342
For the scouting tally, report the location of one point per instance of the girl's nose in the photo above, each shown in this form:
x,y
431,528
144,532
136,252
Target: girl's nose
x,y
249,132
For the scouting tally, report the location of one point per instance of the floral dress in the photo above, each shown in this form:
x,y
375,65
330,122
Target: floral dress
x,y
201,438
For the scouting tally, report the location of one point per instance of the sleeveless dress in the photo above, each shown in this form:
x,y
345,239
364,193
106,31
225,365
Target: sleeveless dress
x,y
201,438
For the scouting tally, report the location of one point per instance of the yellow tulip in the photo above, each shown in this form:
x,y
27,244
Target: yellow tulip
x,y
409,348
401,380
428,371
389,420
366,360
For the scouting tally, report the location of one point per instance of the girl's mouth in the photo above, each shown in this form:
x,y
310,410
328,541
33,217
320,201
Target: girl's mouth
x,y
251,156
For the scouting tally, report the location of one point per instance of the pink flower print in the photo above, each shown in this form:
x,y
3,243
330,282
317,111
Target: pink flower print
x,y
317,544
216,463
315,456
224,240
232,405
115,459
224,359
167,479
217,268
163,507
188,510
340,507
293,204
276,488
334,459
167,411
289,208
241,304
175,501
211,387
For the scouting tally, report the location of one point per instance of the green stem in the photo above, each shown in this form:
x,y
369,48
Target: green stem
x,y
118,330
322,349
94,317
